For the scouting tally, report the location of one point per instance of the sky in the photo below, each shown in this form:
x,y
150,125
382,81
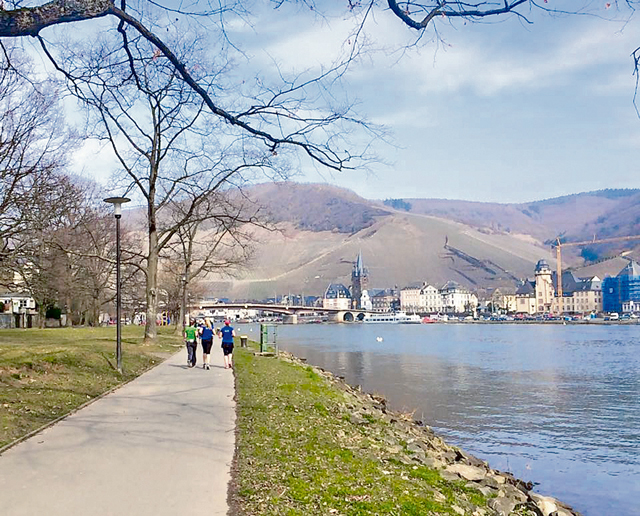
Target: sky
x,y
499,112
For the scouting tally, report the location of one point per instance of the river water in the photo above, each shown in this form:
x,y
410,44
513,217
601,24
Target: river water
x,y
557,405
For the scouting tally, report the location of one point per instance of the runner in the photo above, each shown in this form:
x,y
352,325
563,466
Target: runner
x,y
227,333
190,333
206,337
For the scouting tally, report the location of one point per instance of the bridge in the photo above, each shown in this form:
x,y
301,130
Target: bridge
x,y
290,312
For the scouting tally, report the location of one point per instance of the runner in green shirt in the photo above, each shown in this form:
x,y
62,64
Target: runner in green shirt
x,y
191,343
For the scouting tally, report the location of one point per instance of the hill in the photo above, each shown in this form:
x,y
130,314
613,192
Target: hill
x,y
322,229
315,207
572,215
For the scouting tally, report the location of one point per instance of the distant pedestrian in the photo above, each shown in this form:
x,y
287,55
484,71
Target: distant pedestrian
x,y
227,333
190,334
206,338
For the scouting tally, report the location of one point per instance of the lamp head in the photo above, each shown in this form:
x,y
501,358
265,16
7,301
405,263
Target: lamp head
x,y
117,204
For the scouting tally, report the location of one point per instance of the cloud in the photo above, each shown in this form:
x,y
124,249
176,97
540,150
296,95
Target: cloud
x,y
94,160
480,62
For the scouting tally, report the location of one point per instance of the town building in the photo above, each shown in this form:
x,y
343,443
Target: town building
x,y
365,301
526,298
17,310
539,296
545,291
384,300
503,299
359,281
579,295
457,299
337,296
432,299
630,307
421,298
620,291
412,298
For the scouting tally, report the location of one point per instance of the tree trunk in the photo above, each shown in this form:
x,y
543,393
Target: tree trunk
x,y
150,330
69,320
181,316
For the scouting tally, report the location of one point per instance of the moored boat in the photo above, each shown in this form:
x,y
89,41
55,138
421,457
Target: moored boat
x,y
392,318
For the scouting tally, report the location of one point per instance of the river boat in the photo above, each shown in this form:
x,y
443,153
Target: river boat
x,y
392,318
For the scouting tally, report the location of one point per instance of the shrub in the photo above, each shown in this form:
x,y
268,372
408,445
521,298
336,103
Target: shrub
x,y
53,312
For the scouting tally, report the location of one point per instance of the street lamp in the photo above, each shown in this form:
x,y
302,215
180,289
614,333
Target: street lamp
x,y
117,211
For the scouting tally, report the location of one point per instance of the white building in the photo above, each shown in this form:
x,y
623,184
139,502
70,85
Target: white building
x,y
422,298
457,299
433,301
17,303
365,301
630,307
412,298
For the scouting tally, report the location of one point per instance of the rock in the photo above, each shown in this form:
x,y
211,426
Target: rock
x,y
490,481
357,419
432,462
502,505
561,512
499,479
485,490
458,510
546,504
513,492
467,472
449,457
439,497
405,460
415,448
470,459
450,476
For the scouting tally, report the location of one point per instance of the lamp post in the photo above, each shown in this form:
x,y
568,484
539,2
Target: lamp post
x,y
117,211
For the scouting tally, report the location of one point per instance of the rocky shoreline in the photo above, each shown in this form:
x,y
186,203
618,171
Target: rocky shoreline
x,y
413,443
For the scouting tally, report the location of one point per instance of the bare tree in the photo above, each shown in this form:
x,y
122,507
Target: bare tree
x,y
177,159
215,239
33,144
38,262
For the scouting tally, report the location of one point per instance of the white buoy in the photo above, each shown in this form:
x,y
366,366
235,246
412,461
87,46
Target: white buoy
x,y
379,339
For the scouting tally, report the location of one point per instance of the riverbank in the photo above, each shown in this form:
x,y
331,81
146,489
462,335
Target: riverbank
x,y
47,374
308,443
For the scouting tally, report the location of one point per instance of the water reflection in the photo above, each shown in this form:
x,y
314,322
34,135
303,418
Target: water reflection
x,y
558,405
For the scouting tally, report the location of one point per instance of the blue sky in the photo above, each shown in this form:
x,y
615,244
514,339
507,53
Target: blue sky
x,y
503,112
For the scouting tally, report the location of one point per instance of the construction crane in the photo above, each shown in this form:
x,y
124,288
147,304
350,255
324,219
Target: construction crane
x,y
559,245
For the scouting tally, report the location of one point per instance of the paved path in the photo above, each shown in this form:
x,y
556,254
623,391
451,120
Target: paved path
x,y
161,445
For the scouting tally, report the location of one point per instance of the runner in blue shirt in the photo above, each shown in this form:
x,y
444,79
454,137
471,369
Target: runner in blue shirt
x,y
227,333
206,337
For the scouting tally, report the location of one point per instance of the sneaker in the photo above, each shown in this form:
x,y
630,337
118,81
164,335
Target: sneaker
x,y
208,368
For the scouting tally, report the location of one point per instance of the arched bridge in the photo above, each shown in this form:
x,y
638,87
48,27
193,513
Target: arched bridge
x,y
336,314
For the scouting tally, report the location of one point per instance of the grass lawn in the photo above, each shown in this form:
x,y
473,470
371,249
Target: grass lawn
x,y
44,374
301,451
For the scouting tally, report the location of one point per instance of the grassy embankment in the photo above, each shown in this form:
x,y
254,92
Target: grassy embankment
x,y
307,446
45,374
